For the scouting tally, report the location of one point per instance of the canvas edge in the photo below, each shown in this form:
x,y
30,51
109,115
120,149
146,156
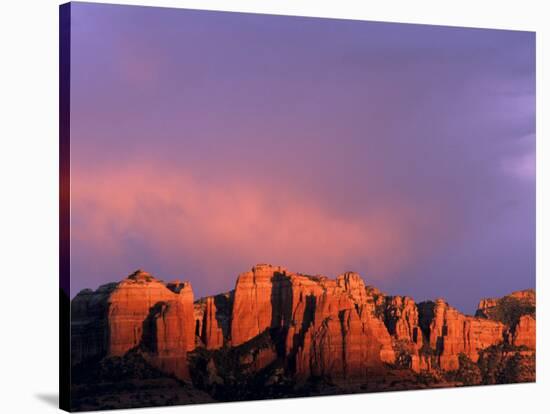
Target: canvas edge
x,y
64,207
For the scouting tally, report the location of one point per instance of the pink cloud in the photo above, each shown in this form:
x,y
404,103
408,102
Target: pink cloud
x,y
181,218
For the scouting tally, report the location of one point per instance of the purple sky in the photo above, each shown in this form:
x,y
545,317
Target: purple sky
x,y
205,142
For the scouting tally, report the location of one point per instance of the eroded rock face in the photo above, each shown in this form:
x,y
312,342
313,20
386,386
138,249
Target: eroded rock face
x,y
343,347
401,317
485,306
517,311
212,334
344,338
324,355
313,326
140,311
199,308
258,303
378,334
170,339
503,309
420,363
525,332
330,326
89,325
452,333
131,302
354,285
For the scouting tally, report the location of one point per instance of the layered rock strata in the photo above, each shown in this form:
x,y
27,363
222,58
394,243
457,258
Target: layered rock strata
x,y
140,311
313,326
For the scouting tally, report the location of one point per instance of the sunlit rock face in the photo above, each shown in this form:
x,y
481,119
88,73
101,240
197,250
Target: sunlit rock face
x,y
328,325
139,311
452,333
131,302
521,301
170,339
401,315
525,332
309,326
517,312
212,333
259,302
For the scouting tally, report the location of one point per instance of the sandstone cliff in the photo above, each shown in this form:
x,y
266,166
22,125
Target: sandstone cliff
x,y
303,326
328,328
451,333
139,311
524,333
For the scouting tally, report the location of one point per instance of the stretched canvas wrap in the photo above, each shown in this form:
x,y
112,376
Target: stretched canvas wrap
x,y
259,206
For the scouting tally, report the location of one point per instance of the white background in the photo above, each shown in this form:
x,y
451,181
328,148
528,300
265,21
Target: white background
x,y
29,203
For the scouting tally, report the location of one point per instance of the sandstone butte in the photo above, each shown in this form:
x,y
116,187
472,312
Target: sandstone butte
x,y
335,328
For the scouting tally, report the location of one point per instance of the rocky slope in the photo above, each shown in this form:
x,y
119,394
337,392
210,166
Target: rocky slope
x,y
281,334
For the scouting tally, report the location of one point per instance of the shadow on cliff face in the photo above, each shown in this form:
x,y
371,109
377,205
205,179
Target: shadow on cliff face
x,y
128,381
425,317
149,329
224,308
298,337
281,300
281,310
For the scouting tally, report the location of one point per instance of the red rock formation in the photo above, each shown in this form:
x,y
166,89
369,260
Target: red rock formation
x,y
496,308
130,303
344,338
271,297
263,358
140,311
401,315
522,303
170,340
326,352
212,335
352,283
335,328
89,333
452,333
377,334
485,305
257,304
258,359
420,362
525,332
527,295
305,292
199,308
332,329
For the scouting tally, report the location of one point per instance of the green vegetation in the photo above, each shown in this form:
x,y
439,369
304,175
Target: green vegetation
x,y
509,309
127,382
468,372
426,349
229,374
402,354
505,364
